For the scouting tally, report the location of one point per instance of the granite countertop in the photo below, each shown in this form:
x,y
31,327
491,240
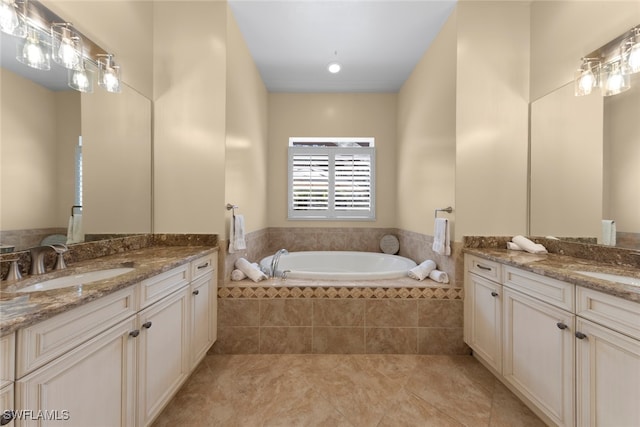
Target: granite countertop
x,y
19,310
563,267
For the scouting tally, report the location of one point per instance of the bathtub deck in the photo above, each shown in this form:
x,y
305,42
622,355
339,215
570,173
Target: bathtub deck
x,y
403,282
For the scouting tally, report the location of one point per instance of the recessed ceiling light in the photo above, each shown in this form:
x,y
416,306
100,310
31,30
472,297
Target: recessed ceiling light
x,y
334,67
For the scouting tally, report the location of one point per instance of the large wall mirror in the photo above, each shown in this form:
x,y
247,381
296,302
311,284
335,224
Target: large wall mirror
x,y
51,136
585,164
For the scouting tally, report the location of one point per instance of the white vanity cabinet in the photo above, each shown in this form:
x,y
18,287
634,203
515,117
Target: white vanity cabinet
x,y
7,375
571,353
607,360
117,361
483,310
163,353
204,307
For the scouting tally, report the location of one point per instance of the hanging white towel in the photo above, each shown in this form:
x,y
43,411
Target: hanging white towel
x,y
75,232
441,244
421,271
236,235
608,232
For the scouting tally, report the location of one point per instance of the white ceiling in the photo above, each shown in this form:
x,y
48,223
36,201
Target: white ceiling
x,y
377,42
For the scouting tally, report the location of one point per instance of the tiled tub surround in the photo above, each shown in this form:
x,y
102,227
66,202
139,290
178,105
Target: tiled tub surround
x,y
148,254
412,245
300,316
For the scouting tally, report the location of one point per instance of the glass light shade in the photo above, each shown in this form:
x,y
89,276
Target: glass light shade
x,y
34,52
11,21
81,80
615,79
633,57
585,79
109,75
67,46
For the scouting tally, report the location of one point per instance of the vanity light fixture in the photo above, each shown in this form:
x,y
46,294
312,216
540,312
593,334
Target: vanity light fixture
x,y
81,79
33,51
67,45
12,21
587,76
108,73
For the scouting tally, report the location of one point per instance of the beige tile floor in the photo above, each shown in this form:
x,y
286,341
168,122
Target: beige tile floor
x,y
344,390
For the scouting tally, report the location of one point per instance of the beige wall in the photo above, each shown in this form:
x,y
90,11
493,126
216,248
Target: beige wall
x,y
68,129
116,146
492,118
566,164
622,158
336,115
33,151
124,28
562,32
246,132
427,135
189,116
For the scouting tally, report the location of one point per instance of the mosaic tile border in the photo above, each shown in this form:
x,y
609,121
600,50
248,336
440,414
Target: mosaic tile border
x,y
333,292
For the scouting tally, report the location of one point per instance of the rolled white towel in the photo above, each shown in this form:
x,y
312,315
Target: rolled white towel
x,y
421,271
237,275
250,270
528,245
439,276
513,247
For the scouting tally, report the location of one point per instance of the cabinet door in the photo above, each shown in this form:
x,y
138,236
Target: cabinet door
x,y
608,383
483,319
203,313
163,362
6,404
538,354
92,385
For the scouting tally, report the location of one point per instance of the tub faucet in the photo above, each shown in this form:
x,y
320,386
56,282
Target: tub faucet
x,y
275,260
37,258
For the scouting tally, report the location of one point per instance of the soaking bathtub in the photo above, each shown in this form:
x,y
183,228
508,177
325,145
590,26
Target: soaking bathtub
x,y
341,265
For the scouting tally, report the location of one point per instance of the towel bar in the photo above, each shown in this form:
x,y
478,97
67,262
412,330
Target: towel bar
x,y
232,208
448,209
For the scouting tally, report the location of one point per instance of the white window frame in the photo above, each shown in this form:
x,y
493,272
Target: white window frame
x,y
331,147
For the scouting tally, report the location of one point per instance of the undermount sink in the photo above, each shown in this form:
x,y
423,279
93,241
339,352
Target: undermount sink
x,y
76,279
627,280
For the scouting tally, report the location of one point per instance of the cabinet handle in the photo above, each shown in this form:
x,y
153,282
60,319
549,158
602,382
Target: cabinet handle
x,y
135,333
146,325
6,418
196,292
482,267
494,294
201,266
580,335
561,325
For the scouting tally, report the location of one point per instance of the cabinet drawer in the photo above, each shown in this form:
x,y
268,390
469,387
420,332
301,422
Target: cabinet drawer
x,y
157,287
44,341
610,311
483,267
7,359
552,291
203,265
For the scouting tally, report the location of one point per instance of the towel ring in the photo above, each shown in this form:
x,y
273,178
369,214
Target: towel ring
x,y
448,209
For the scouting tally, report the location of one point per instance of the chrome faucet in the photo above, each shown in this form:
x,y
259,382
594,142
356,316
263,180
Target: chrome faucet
x,y
37,258
275,260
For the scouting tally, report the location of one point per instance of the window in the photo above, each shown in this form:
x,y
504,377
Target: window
x,y
331,178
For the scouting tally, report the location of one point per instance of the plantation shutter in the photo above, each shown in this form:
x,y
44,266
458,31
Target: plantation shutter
x,y
331,181
310,182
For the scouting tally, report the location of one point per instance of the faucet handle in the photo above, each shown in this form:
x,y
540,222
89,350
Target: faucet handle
x,y
60,248
14,271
